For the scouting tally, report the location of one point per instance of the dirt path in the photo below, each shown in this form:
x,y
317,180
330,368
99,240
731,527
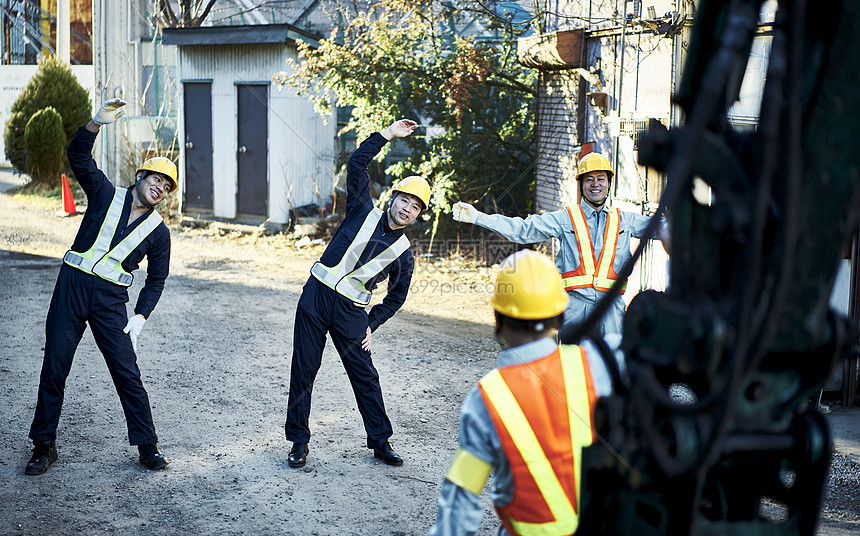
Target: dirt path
x,y
215,359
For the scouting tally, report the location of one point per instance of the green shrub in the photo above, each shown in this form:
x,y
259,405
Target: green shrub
x,y
53,85
44,141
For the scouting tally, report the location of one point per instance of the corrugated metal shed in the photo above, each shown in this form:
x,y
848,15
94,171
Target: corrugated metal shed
x,y
300,152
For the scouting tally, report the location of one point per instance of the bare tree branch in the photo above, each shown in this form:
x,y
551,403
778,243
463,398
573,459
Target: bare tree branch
x,y
185,11
166,14
205,13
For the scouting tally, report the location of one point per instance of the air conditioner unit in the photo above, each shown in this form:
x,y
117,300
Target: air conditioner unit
x,y
634,128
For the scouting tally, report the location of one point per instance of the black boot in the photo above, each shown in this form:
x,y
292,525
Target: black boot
x,y
151,457
298,455
44,454
387,454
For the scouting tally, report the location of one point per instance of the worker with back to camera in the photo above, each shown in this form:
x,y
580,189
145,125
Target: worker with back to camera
x,y
367,247
527,420
594,240
119,228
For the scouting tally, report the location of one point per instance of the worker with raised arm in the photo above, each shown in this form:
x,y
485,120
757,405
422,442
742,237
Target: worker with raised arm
x,y
368,247
527,420
594,240
119,229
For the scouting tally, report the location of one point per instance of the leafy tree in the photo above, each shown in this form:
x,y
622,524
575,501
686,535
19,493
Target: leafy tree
x,y
404,58
45,140
53,86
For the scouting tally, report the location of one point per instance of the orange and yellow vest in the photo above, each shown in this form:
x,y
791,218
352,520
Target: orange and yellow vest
x,y
593,272
542,411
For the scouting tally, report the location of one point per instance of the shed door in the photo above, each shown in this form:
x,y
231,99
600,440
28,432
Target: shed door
x,y
198,145
252,154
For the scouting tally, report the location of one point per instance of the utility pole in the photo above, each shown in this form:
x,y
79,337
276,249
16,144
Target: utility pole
x,y
63,30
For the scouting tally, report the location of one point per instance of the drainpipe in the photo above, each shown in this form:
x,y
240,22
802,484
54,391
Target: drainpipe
x,y
99,52
620,85
136,74
63,31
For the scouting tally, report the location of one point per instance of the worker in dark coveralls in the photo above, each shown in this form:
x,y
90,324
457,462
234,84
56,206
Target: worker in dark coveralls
x,y
119,228
368,247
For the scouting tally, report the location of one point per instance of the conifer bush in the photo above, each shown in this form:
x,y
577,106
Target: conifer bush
x,y
44,141
53,86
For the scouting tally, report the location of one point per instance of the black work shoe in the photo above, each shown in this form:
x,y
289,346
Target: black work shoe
x,y
44,454
298,455
151,457
387,454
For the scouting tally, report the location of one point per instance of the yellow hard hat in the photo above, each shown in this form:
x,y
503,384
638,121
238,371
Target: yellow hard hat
x,y
163,165
416,186
529,287
593,162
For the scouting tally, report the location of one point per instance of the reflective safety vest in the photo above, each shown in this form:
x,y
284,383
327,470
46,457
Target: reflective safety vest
x,y
349,280
591,272
542,411
108,264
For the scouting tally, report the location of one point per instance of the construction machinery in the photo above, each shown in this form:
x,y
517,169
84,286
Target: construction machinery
x,y
744,330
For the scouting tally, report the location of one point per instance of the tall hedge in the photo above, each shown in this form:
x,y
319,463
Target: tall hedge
x,y
53,85
45,140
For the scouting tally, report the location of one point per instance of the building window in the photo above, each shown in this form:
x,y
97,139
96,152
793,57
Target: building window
x,y
30,31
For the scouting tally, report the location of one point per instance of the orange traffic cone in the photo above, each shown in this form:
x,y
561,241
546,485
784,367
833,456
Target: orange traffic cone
x,y
68,201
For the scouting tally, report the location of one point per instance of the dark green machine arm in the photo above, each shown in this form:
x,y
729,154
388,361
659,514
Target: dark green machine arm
x,y
745,325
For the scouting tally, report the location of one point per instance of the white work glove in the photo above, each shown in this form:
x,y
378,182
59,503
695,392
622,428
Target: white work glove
x,y
465,212
135,324
109,112
365,343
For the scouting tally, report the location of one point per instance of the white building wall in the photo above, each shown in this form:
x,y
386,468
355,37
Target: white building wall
x,y
638,72
124,45
301,146
638,83
301,152
639,91
635,71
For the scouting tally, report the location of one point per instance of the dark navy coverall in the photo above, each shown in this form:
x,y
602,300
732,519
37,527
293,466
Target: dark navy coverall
x,y
81,298
321,310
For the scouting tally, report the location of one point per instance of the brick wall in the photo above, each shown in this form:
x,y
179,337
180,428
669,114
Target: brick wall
x,y
557,139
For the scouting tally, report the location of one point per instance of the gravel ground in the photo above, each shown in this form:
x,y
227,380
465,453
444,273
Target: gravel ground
x,y
215,359
840,509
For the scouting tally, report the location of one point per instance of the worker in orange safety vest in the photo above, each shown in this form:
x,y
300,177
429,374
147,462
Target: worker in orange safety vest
x,y
594,240
527,421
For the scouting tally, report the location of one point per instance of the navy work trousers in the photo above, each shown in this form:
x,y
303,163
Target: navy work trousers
x,y
80,298
321,310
